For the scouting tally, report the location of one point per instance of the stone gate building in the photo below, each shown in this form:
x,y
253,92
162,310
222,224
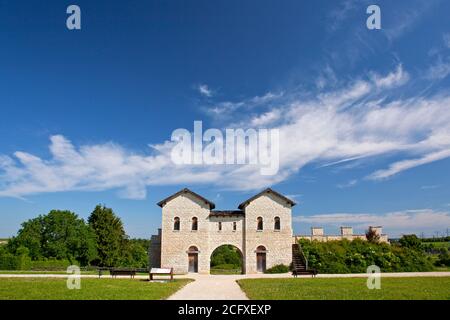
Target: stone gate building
x,y
261,230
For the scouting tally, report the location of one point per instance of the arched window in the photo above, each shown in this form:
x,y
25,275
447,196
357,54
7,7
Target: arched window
x,y
261,249
234,225
260,224
219,225
277,225
194,224
193,249
176,224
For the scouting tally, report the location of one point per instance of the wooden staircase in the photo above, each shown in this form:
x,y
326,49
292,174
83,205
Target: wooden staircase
x,y
300,263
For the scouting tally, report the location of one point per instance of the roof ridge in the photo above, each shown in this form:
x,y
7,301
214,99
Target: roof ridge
x,y
186,190
267,190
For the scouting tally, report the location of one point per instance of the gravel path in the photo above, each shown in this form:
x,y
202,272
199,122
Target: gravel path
x,y
206,287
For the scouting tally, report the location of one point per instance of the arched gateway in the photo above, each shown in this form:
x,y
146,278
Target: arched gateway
x,y
227,259
261,229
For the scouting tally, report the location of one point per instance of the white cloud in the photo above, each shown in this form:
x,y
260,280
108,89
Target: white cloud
x,y
409,164
394,223
205,90
393,79
326,78
407,18
223,108
351,122
341,13
439,70
265,119
348,184
446,38
431,187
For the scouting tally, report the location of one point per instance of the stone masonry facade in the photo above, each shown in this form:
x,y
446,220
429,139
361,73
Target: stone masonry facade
x,y
191,230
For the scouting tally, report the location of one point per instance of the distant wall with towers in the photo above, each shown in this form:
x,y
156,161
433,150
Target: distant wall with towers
x,y
317,233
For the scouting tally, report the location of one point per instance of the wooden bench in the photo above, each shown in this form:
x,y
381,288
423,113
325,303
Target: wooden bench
x,y
161,272
312,272
122,272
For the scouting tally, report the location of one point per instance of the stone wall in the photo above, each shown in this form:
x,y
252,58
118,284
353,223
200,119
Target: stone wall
x,y
155,250
277,243
176,243
317,234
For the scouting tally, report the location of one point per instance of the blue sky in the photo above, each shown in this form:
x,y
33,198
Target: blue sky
x,y
364,115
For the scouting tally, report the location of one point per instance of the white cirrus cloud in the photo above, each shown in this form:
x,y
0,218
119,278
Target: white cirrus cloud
x,y
354,121
439,70
393,79
205,90
446,38
409,164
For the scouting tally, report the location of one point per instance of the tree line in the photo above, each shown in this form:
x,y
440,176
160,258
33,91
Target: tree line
x,y
61,235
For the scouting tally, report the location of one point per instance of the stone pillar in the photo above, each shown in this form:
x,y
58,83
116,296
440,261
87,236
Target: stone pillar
x,y
317,233
347,233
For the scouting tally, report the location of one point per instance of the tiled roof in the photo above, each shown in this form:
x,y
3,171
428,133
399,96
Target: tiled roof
x,y
186,190
226,213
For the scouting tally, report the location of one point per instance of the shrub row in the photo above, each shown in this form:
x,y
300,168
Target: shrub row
x,y
279,268
355,256
226,266
9,261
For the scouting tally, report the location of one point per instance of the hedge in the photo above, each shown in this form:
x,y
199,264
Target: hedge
x,y
279,268
50,265
355,256
9,261
226,266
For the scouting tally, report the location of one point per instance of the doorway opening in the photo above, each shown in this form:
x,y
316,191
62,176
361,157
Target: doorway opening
x,y
226,259
193,259
261,259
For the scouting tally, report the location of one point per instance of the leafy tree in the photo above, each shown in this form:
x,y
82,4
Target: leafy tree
x,y
410,241
372,236
443,258
135,254
59,235
226,254
29,236
110,236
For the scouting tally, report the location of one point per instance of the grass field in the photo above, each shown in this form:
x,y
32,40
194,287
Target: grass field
x,y
91,272
226,271
91,289
44,272
419,288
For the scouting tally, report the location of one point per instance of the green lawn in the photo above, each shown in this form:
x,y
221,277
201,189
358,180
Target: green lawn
x,y
418,288
225,271
91,272
44,272
91,289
